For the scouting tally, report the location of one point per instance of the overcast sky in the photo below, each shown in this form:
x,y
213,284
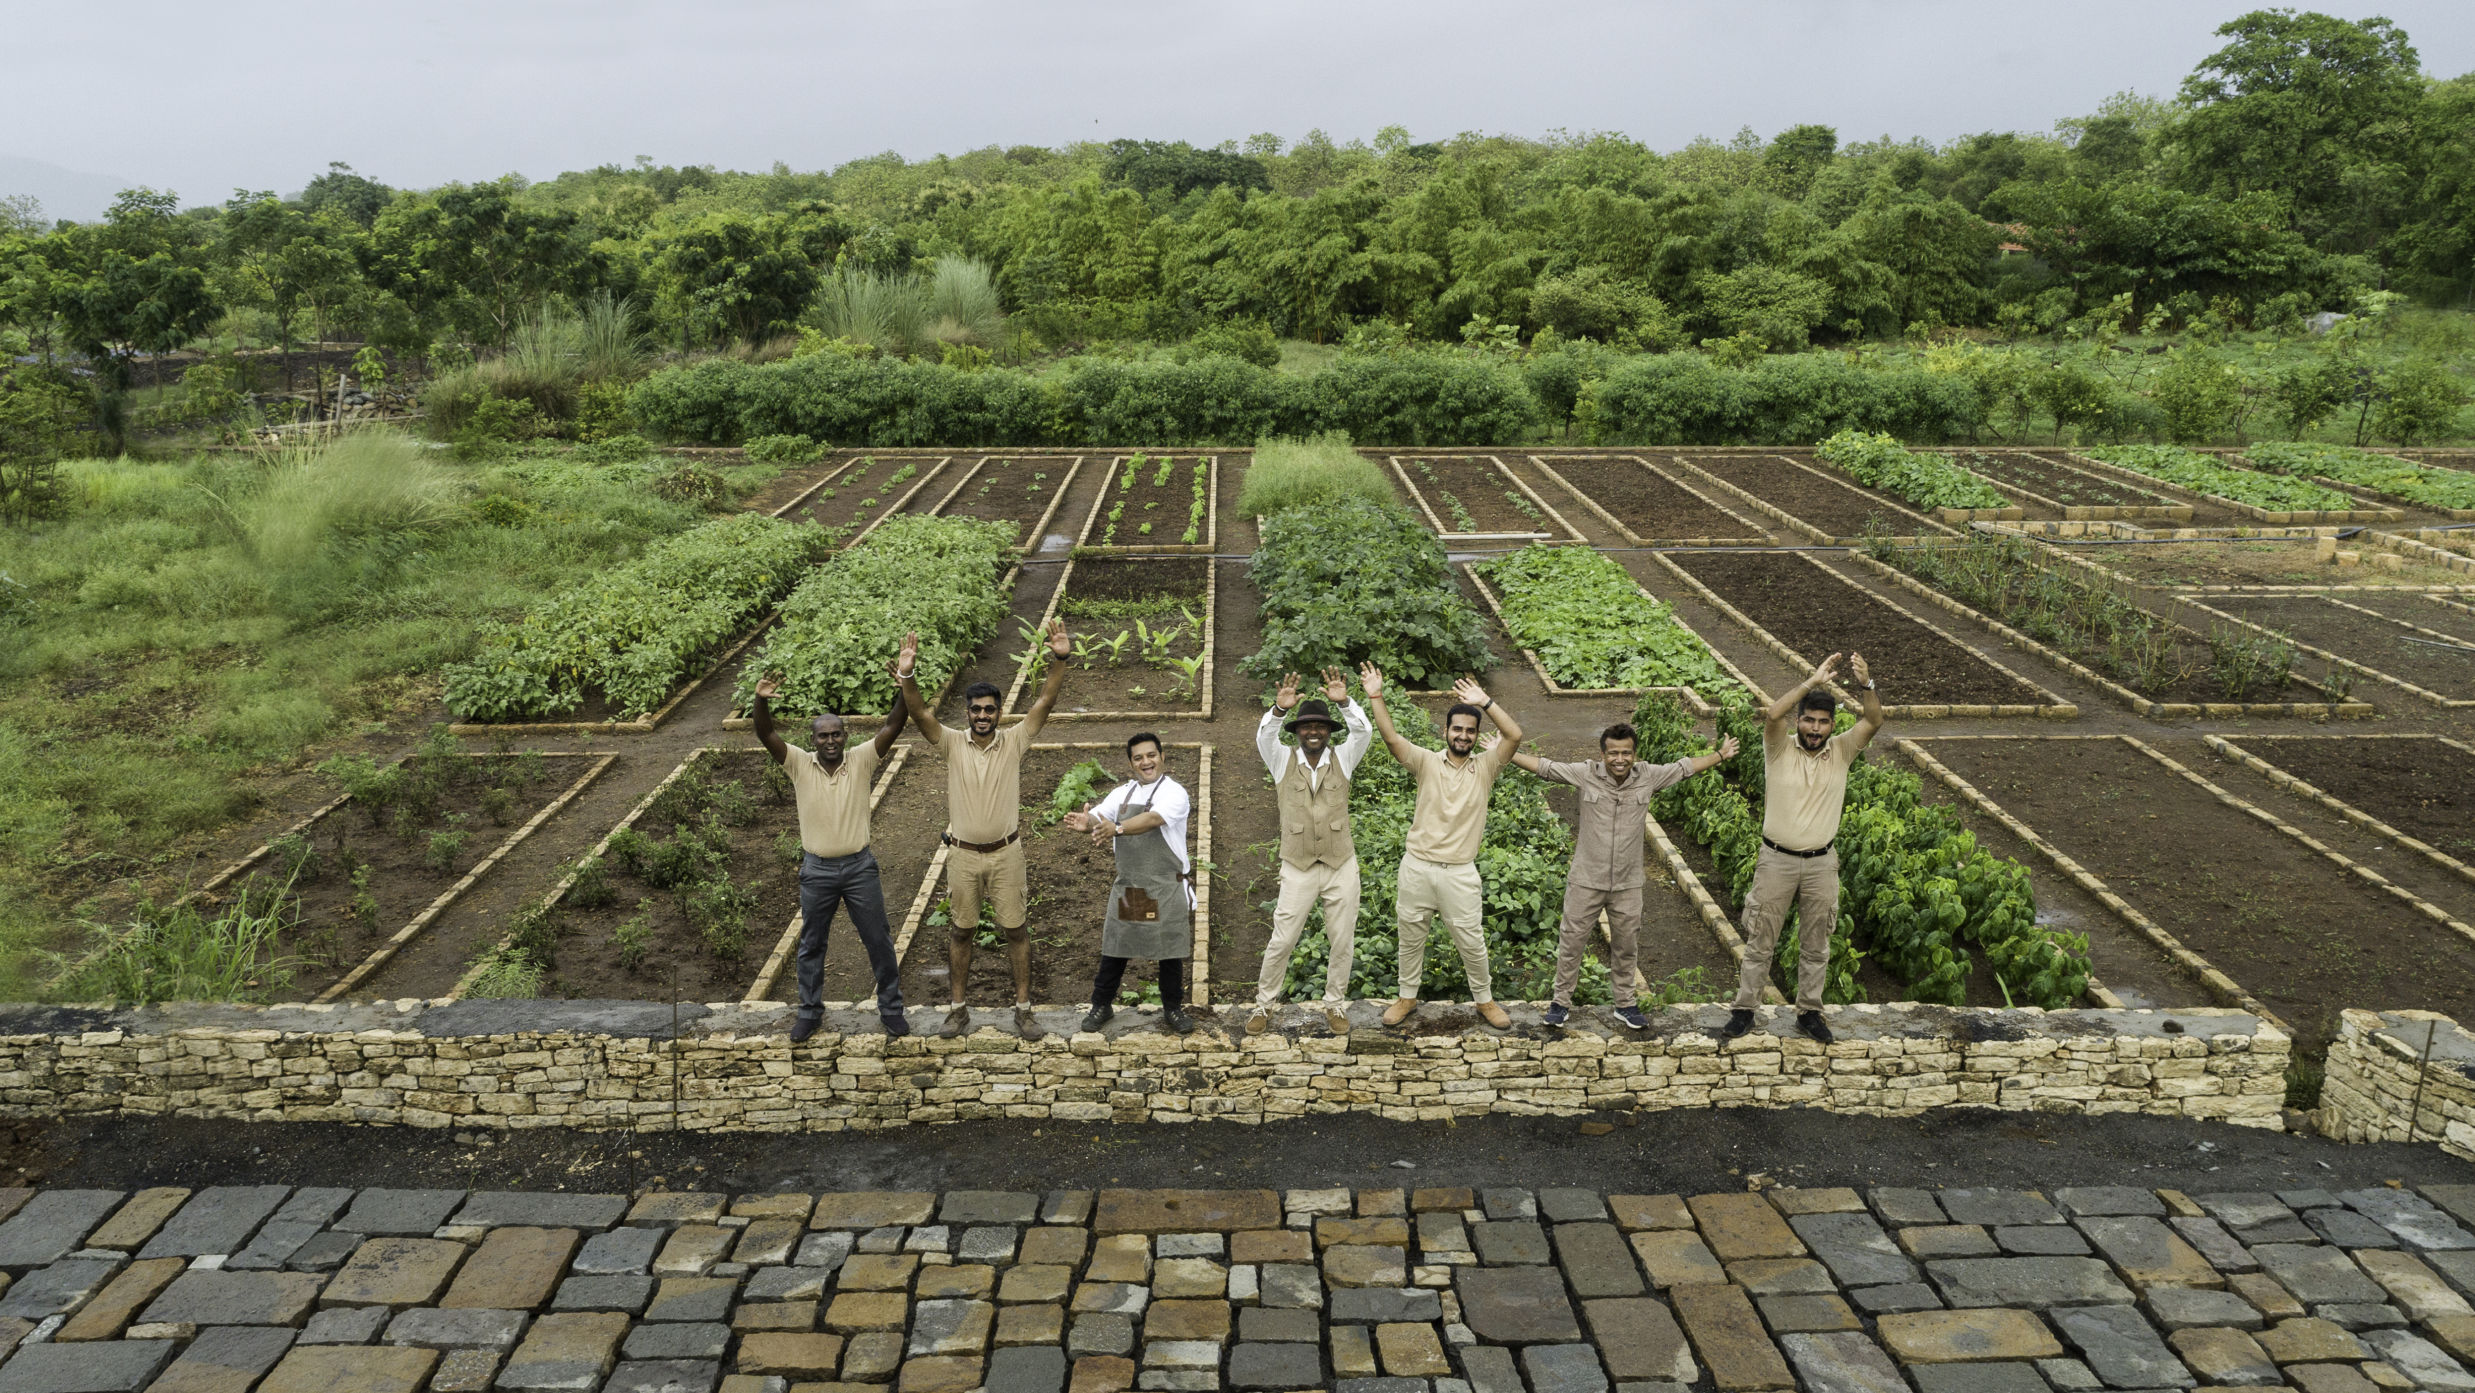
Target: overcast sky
x,y
242,94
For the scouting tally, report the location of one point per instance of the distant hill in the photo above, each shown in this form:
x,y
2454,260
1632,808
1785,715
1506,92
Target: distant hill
x,y
65,193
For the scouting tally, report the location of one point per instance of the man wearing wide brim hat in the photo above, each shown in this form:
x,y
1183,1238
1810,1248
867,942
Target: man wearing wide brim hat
x,y
1318,861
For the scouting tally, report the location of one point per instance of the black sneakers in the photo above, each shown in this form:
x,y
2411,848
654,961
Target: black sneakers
x,y
1099,1016
804,1027
1814,1026
1739,1021
1176,1019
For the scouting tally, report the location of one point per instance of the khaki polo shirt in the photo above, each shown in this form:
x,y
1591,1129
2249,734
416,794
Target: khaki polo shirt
x,y
833,803
983,784
1803,793
1608,836
1452,802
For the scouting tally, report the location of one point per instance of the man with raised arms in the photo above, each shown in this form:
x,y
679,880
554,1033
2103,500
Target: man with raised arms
x,y
983,832
1318,861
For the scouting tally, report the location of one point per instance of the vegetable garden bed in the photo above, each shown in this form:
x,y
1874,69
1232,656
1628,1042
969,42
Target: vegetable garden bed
x,y
1588,630
2256,563
2442,615
2288,927
1021,489
2416,790
2266,497
2431,488
1360,582
1648,506
1805,499
2428,664
1802,611
2072,493
1144,641
1926,481
1471,498
1155,505
852,496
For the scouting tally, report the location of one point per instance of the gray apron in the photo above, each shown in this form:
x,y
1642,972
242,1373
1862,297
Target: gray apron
x,y
1147,915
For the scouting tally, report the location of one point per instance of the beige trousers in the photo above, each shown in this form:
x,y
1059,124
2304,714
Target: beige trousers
x,y
1581,909
1336,889
1779,880
1427,890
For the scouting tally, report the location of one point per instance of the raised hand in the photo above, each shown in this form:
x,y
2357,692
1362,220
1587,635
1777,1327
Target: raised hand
x,y
1856,664
1078,821
1371,681
1286,699
1335,686
908,659
1466,689
1060,643
766,687
1728,747
1828,670
1489,741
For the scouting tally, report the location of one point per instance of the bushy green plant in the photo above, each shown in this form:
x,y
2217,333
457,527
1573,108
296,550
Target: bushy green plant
x,y
2425,486
1353,581
1921,481
690,481
2201,474
1683,398
784,449
1246,340
1590,624
1287,472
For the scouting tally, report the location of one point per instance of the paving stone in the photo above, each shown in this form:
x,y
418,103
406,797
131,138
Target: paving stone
x,y
693,1249
1100,1373
980,1243
699,1298
1952,1240
1110,1298
1258,1246
1365,1267
1340,1201
2316,1274
874,1271
2330,1378
1282,1365
2103,1201
1031,1325
346,1325
1639,1339
275,1242
2360,1315
1490,1369
1384,1203
136,1221
1518,1305
1510,1241
1842,1363
2183,1308
1744,1226
398,1213
1896,1296
1855,1248
774,1315
1185,1211
2457,1335
60,1288
1041,1282
2120,1345
950,1327
2223,1357
1504,1202
872,1356
1289,1284
1979,1378
2300,1200
550,1209
2069,1375
1831,1199
1379,1385
624,1292
1570,1205
1181,1354
235,1298
1185,1277
53,1224
1124,1257
1948,1337
2348,1229
1443,1233
2211,1240
1393,1232
677,1339
2039,1240
1634,1212
1902,1205
965,1280
1563,1369
619,1250
394,1272
432,1328
1734,1347
1413,1349
1780,1276
1676,1257
112,1308
940,1373
1596,1259
2148,1254
1450,1199
349,1369
1807,1314
1068,1246
1101,1334
224,1360
2244,1209
765,1242
1066,1207
1998,1207
2265,1295
1377,1305
1032,1370
324,1252
2411,1217
2309,1339
2413,1285
2035,1282
2427,1364
824,1250
514,1269
659,1376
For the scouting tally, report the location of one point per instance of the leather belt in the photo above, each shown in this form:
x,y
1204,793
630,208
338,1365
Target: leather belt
x,y
983,848
1822,850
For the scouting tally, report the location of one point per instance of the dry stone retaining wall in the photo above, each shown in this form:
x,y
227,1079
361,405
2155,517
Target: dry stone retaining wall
x,y
2401,1076
658,1067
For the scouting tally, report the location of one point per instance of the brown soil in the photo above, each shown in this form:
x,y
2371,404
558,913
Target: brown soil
x,y
1812,612
1015,489
2375,643
2263,562
1166,507
1494,504
1097,683
2290,926
1651,506
327,936
2051,479
2423,613
2422,787
1837,509
855,480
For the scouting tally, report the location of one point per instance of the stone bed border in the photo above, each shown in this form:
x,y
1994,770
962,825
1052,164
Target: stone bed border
x,y
2338,805
2400,1076
2164,509
1572,535
1056,499
1210,545
1203,681
1762,539
2366,669
654,1067
1794,523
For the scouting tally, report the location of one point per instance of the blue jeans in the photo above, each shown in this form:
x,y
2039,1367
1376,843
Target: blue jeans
x,y
827,881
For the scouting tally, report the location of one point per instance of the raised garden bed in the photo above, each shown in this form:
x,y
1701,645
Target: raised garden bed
x,y
2416,789
1474,498
2382,649
1143,629
1804,611
1647,505
2444,616
850,496
2295,930
1805,498
1585,627
2255,562
2382,478
1155,505
2072,493
2268,498
1021,489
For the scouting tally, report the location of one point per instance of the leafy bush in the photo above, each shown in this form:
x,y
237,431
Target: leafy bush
x,y
2201,474
1686,399
691,482
1247,340
1921,481
1354,581
2425,486
1292,473
1590,624
784,449
637,630
845,623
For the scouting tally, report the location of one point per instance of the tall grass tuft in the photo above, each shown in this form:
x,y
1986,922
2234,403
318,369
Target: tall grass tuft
x,y
962,304
366,486
1297,473
552,354
179,954
889,313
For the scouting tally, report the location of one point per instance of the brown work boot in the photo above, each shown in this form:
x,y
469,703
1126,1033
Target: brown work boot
x,y
1337,1019
1494,1015
1025,1024
957,1020
1258,1022
1399,1010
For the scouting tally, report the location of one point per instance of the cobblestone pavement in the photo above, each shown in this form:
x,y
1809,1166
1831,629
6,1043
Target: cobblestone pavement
x,y
1429,1290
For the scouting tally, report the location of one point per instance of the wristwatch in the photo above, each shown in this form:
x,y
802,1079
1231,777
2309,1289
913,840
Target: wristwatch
x,y
1869,686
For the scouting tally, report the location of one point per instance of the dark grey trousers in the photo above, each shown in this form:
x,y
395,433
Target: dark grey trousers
x,y
827,881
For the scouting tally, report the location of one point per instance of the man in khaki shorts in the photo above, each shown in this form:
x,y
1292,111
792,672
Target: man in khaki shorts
x,y
1439,862
983,833
1804,786
1318,861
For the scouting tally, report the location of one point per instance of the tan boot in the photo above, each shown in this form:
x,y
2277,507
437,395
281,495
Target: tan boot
x,y
1494,1015
1399,1010
1337,1019
1259,1022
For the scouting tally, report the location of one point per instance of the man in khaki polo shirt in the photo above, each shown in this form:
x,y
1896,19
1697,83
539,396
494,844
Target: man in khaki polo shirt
x,y
983,830
1439,862
836,866
1804,786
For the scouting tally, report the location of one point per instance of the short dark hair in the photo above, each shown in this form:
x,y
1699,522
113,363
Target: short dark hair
x,y
977,690
1140,738
1619,731
1477,714
1817,701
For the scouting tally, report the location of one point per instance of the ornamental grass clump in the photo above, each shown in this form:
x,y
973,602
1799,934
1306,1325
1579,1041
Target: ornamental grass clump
x,y
1293,472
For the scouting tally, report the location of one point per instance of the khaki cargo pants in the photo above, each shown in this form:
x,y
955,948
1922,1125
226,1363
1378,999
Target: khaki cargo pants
x,y
1811,883
1301,889
1581,911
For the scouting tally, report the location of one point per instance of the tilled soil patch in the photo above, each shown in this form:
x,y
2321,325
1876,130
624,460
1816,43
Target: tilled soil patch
x,y
2454,619
2055,480
1489,502
1837,509
1016,489
1105,599
1154,500
2287,924
858,489
2265,562
1813,612
2423,787
1647,503
2375,643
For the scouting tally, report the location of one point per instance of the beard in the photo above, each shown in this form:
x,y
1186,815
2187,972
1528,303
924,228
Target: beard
x,y
1811,742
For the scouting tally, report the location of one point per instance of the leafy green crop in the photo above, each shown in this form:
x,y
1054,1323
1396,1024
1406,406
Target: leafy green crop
x,y
1592,626
2422,485
845,623
1349,581
1921,481
2201,474
636,631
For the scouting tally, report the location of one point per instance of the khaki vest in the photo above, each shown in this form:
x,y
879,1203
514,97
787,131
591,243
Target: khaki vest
x,y
1314,822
